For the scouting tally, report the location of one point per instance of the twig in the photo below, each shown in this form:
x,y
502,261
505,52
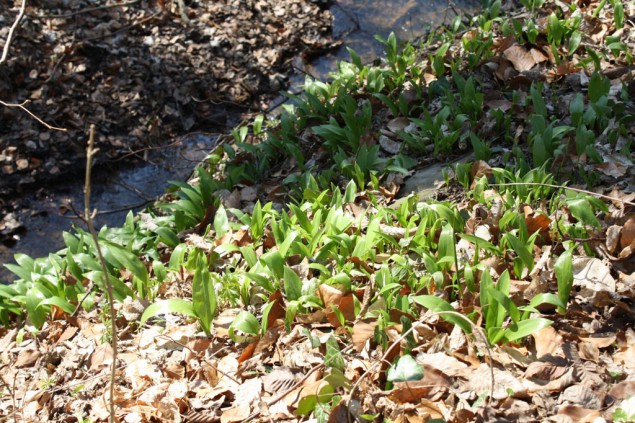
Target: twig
x,y
606,197
87,10
18,18
21,106
90,152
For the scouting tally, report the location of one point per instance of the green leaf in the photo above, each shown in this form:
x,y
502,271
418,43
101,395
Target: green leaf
x,y
172,305
221,222
333,357
357,61
522,250
249,254
447,246
177,259
582,210
203,295
246,323
292,284
307,404
574,41
407,369
437,304
120,257
59,302
275,262
564,274
526,328
167,236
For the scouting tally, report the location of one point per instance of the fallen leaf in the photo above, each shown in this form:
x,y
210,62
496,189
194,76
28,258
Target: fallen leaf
x,y
522,59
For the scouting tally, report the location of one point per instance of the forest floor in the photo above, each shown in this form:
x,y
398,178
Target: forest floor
x,y
142,75
291,280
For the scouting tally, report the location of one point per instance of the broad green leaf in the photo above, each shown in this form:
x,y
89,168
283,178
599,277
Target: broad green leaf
x,y
582,210
249,254
177,259
122,258
292,284
521,250
307,404
333,357
449,215
437,304
221,222
246,323
172,305
526,328
507,304
59,302
564,274
203,295
407,369
275,262
447,246
167,236
574,41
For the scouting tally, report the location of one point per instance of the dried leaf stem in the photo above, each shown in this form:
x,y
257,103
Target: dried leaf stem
x,y
88,215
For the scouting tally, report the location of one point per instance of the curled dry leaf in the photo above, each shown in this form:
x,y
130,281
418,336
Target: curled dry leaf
x,y
522,59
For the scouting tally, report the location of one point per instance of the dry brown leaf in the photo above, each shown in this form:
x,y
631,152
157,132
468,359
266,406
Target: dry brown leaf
x,y
481,382
583,396
101,357
398,124
27,357
628,232
600,342
592,275
579,414
362,332
589,351
433,384
479,169
547,341
522,59
237,413
623,390
546,370
444,363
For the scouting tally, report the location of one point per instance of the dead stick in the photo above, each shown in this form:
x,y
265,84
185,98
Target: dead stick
x,y
90,152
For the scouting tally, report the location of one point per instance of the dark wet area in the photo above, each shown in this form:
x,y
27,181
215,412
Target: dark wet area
x,y
356,22
34,224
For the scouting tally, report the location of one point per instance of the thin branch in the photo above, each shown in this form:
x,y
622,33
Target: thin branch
x,y
21,106
5,51
539,184
88,215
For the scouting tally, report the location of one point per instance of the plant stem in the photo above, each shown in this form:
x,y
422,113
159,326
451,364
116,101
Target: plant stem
x,y
90,152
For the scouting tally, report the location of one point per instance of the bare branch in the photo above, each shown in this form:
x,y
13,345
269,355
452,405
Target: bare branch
x,y
88,215
5,51
30,113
